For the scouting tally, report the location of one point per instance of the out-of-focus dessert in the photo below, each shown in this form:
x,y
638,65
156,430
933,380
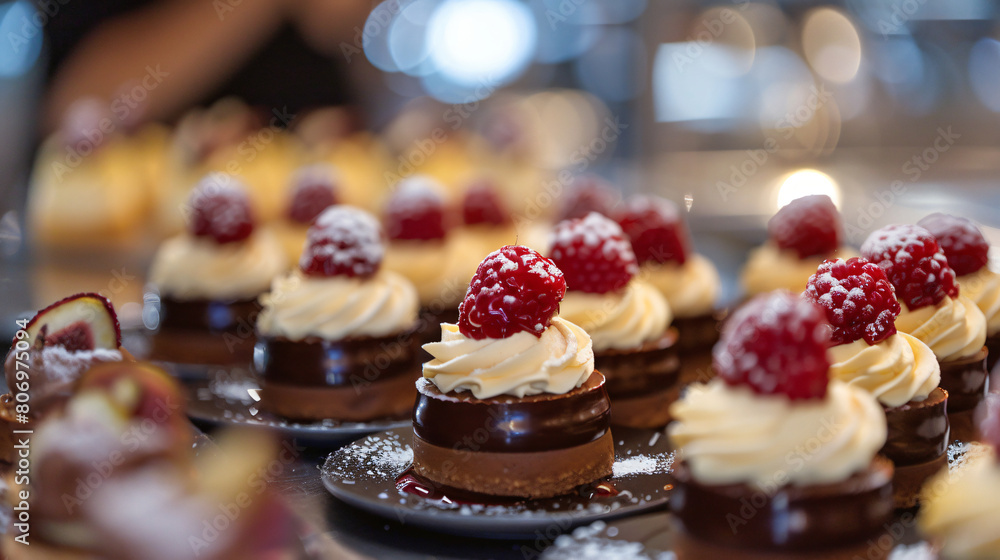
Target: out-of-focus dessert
x,y
313,189
772,430
627,318
588,193
512,365
933,310
486,226
337,336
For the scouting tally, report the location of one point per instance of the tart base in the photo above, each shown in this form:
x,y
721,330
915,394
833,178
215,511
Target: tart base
x,y
686,547
193,347
538,474
642,382
391,397
644,411
967,382
907,480
963,425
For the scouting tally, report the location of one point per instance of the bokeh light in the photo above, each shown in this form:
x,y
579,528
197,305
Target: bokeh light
x,y
805,182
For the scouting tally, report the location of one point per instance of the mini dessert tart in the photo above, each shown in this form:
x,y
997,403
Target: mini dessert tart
x,y
336,338
588,193
486,226
511,369
313,188
773,439
801,235
961,508
627,319
419,250
896,368
690,282
204,283
967,252
933,311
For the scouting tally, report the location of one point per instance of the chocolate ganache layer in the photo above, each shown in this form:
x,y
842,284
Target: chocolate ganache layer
x,y
966,381
654,367
918,430
207,315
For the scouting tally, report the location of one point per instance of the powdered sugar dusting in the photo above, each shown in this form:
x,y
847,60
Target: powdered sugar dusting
x,y
62,365
643,464
383,455
344,239
592,542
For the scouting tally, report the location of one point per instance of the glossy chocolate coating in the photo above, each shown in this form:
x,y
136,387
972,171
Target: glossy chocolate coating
x,y
918,431
792,519
208,315
314,362
993,346
653,368
508,424
966,381
697,334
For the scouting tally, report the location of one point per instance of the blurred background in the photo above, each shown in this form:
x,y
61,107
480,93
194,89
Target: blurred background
x,y
112,110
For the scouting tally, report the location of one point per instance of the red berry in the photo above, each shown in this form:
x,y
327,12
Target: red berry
x,y
482,205
963,244
344,241
655,227
913,262
594,254
313,190
415,210
220,209
809,226
588,193
776,344
858,299
85,321
514,289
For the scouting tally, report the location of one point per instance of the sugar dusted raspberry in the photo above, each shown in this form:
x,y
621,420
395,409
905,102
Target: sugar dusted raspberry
x,y
656,229
594,254
809,226
416,210
344,241
913,262
963,244
858,299
220,210
514,289
314,188
776,344
482,204
588,193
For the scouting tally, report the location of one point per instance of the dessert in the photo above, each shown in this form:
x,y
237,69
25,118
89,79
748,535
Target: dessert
x,y
689,281
588,193
313,189
960,508
773,439
627,319
204,283
896,368
967,252
486,226
801,235
933,311
336,337
513,369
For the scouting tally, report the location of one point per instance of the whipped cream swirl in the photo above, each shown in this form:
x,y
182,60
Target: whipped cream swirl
x,y
954,328
895,371
691,288
522,364
622,320
338,307
770,268
730,435
983,287
962,509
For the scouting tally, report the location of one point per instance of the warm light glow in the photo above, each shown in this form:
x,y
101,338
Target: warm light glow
x,y
831,45
806,182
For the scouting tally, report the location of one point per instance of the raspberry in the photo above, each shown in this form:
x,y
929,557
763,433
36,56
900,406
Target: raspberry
x,y
588,193
809,226
514,289
314,189
776,344
344,241
220,209
858,299
482,205
655,227
913,262
594,254
416,210
963,244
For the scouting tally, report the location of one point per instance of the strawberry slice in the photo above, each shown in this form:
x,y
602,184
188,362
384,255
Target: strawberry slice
x,y
84,321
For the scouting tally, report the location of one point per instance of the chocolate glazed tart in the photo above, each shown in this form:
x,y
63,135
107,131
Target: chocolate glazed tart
x,y
202,331
917,444
537,446
696,338
834,520
967,382
642,382
353,380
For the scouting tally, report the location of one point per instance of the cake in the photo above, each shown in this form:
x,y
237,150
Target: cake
x,y
313,189
896,368
337,337
486,226
801,235
585,194
627,319
690,282
934,311
204,283
776,460
967,252
520,381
